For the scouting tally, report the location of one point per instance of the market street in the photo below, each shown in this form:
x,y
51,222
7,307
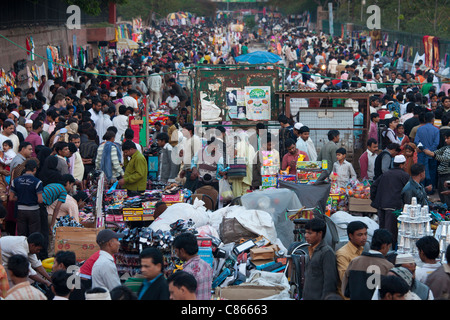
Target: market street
x,y
224,150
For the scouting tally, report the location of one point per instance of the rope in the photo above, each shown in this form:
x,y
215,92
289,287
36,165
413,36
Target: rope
x,y
196,67
88,72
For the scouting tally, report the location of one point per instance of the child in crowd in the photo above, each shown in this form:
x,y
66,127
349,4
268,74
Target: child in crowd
x,y
173,102
428,248
410,153
400,132
6,156
343,168
373,131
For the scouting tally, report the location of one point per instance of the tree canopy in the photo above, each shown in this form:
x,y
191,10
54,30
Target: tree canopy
x,y
415,16
144,8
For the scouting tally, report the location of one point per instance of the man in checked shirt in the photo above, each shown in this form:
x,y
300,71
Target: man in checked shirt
x,y
186,248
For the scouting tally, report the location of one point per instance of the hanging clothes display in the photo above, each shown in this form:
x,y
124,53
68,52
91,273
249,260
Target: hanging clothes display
x,y
436,54
74,51
49,59
30,47
431,47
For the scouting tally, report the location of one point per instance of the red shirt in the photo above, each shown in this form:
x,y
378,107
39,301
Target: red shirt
x,y
289,157
86,268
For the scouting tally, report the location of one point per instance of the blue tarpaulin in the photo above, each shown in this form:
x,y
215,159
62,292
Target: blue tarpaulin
x,y
258,57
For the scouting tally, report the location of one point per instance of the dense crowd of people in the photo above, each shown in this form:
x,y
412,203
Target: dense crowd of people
x,y
55,136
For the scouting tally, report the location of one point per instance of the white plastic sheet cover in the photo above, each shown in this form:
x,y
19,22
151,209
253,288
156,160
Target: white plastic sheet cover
x,y
276,202
341,219
256,221
264,278
185,211
210,111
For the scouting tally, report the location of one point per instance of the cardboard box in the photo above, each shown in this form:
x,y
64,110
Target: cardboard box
x,y
82,241
247,292
263,253
360,205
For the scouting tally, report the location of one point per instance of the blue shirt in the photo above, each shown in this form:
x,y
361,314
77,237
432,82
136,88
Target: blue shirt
x,y
429,136
358,122
146,284
26,188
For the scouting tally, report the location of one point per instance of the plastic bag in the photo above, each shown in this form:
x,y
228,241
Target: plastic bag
x,y
225,192
196,212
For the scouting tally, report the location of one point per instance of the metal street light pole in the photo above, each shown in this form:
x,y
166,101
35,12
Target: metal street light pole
x,y
363,3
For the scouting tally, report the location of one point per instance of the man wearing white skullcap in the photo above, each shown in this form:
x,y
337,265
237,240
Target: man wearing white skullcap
x,y
406,260
385,195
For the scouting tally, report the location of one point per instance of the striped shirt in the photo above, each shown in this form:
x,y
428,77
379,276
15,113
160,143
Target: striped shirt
x,y
443,156
24,291
54,192
117,170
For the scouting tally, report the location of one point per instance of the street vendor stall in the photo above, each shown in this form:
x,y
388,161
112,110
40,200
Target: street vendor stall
x,y
322,111
80,237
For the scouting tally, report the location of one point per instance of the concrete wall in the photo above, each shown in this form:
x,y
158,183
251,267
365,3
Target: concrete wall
x,y
55,36
42,37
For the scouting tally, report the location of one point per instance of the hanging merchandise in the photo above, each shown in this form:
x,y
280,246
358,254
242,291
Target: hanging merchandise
x,y
75,51
30,48
435,46
49,59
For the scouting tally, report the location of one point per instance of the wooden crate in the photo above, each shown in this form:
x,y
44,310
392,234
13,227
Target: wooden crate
x,y
360,205
82,241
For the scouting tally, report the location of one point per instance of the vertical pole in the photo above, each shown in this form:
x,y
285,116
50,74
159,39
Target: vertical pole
x,y
146,122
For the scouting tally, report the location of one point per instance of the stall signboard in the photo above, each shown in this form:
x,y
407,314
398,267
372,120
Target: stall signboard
x,y
257,103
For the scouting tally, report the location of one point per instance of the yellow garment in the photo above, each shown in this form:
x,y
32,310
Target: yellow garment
x,y
242,184
343,257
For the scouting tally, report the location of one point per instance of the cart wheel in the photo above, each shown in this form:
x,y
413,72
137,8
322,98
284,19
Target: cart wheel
x,y
298,247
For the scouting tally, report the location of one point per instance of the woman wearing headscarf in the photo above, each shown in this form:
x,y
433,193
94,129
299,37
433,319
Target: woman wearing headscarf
x,y
49,173
63,133
42,153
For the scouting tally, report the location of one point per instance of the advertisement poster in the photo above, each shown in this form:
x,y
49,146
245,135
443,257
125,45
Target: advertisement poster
x,y
235,103
257,102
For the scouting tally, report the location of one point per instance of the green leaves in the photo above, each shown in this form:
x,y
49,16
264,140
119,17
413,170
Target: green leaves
x,y
144,8
93,7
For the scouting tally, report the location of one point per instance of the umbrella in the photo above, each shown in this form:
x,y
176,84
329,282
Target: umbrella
x,y
176,16
259,57
187,14
125,43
